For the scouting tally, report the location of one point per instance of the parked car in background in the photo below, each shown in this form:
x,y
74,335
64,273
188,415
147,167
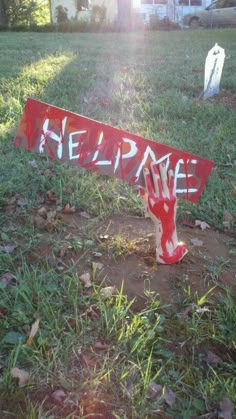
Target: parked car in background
x,y
218,13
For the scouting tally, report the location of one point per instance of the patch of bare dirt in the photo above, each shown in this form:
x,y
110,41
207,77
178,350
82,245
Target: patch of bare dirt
x,y
226,98
139,270
125,247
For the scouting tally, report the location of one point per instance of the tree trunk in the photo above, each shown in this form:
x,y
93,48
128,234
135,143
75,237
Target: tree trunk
x,y
50,10
3,16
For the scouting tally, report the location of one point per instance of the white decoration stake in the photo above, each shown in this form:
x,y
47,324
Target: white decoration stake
x,y
213,70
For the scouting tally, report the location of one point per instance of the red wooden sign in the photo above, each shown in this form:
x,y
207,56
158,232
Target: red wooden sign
x,y
73,138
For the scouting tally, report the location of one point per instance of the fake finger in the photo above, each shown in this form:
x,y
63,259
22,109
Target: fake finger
x,y
171,180
144,199
156,180
148,181
164,179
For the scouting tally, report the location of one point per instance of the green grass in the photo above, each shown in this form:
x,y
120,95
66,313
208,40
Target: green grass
x,y
152,82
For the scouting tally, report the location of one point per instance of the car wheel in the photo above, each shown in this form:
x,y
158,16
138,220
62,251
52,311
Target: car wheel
x,y
194,23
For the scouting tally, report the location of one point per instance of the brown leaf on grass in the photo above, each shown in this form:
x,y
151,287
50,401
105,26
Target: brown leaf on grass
x,y
40,222
84,214
51,196
227,219
170,396
12,200
42,212
93,312
101,345
212,358
86,280
154,391
202,224
63,249
67,190
33,331
40,198
8,248
48,173
107,292
68,209
51,215
196,242
226,409
22,202
97,266
6,280
89,361
58,396
93,407
22,375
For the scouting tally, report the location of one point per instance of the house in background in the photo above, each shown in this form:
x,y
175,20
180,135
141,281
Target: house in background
x,y
174,10
81,9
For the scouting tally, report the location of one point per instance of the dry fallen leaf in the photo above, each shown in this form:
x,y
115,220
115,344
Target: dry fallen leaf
x,y
21,374
89,360
67,190
6,280
226,409
63,249
8,248
68,209
170,396
107,292
92,407
42,212
86,280
51,215
97,266
93,312
12,200
212,358
21,202
40,222
154,391
34,330
227,219
84,214
101,345
202,224
196,242
58,396
51,196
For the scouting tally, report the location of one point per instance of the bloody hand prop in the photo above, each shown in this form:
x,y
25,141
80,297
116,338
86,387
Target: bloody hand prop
x,y
160,203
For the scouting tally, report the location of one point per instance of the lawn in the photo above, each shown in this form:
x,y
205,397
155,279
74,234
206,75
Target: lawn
x,y
119,336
